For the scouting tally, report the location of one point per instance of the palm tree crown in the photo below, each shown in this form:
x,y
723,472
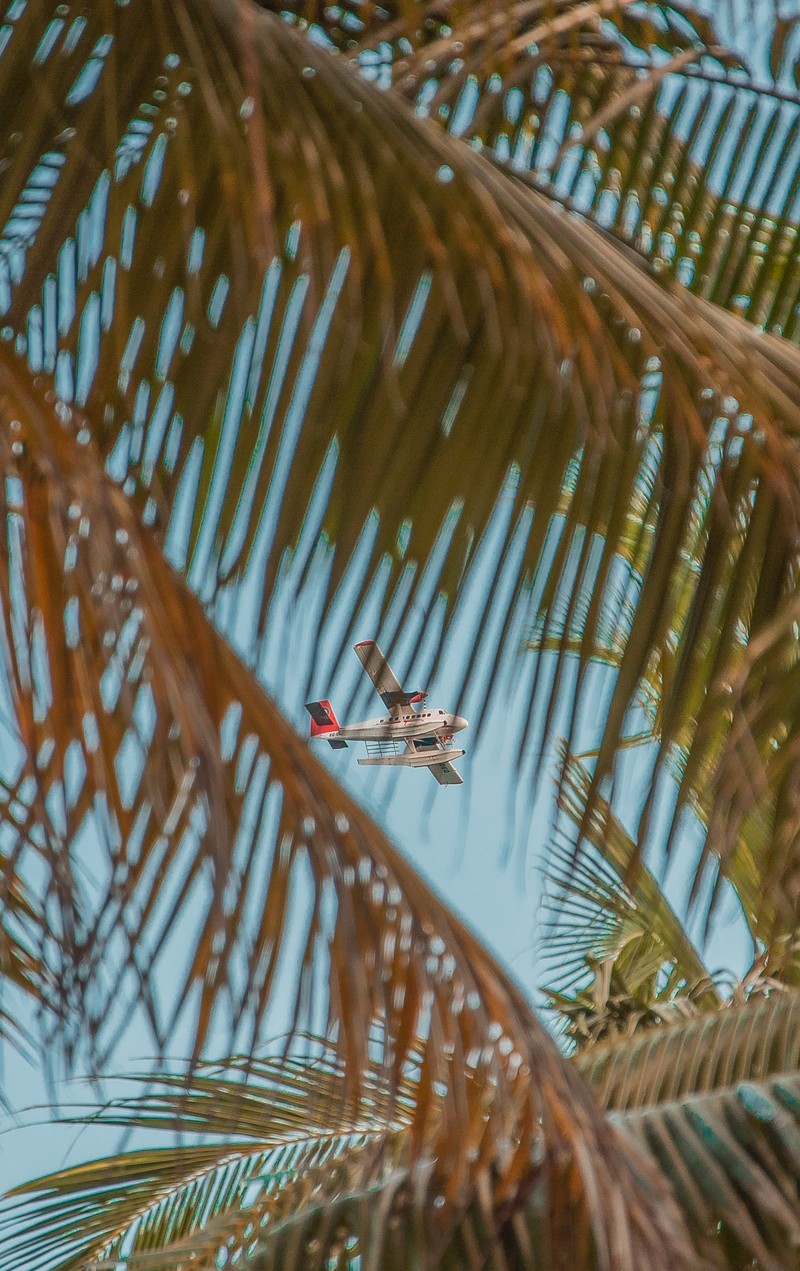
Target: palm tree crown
x,y
293,297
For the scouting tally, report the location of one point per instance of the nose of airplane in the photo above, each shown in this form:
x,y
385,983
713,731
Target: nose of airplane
x,y
458,723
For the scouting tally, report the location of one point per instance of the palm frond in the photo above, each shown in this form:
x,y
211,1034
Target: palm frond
x,y
365,950
621,957
633,380
715,1102
464,289
295,1174
659,175
406,28
747,1042
611,923
340,1215
712,1100
275,1121
282,305
658,132
616,861
26,979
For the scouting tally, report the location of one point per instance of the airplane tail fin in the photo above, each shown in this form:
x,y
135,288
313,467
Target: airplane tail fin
x,y
323,720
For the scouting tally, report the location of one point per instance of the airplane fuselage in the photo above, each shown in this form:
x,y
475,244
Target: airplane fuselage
x,y
432,723
406,737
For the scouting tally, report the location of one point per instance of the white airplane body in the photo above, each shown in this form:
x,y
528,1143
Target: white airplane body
x,y
405,737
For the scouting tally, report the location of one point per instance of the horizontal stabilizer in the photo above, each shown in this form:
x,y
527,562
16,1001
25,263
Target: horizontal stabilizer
x,y
446,774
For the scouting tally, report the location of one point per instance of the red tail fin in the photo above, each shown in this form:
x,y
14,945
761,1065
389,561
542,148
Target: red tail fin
x,y
323,718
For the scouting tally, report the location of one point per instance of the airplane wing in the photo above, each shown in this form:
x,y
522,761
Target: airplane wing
x,y
382,676
446,774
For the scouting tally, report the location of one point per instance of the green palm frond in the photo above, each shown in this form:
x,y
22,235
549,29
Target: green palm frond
x,y
621,957
277,1122
596,920
559,623
773,928
715,1102
611,924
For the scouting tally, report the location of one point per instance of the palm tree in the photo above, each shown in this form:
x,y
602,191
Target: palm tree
x,y
290,297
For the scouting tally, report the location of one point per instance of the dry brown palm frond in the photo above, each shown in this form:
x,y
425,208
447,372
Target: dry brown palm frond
x,y
255,270
428,42
697,173
288,1173
713,1100
656,130
110,654
28,983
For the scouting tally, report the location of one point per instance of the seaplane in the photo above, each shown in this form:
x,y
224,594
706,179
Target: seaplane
x,y
409,736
